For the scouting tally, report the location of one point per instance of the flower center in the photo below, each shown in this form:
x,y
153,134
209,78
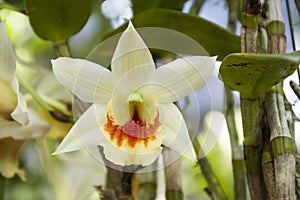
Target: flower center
x,y
137,129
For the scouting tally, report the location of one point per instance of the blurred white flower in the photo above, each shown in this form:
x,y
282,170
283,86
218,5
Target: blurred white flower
x,y
12,104
12,138
17,123
118,11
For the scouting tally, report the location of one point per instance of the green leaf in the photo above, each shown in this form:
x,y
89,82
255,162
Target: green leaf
x,y
142,5
57,20
172,4
254,74
16,5
214,39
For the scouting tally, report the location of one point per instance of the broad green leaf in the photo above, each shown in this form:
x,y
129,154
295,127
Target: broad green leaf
x,y
254,74
142,5
172,4
214,39
57,20
16,5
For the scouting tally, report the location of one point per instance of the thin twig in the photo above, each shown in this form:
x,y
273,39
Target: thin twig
x,y
214,186
238,164
173,175
2,187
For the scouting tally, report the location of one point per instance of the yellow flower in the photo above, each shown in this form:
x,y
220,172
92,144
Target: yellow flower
x,y
133,112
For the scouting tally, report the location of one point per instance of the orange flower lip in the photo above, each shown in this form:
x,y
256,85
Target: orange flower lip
x,y
132,132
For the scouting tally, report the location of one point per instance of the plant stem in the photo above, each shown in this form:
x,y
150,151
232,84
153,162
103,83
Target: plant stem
x,y
35,95
108,192
297,158
214,185
268,162
251,116
196,7
121,182
173,178
296,88
238,164
232,15
282,143
282,147
297,2
249,30
148,185
250,108
61,49
2,187
120,178
61,113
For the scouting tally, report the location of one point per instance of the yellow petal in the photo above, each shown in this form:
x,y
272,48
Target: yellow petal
x,y
120,108
8,102
58,129
9,157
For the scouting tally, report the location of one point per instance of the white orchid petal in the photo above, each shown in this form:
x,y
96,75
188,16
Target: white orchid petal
x,y
37,127
173,81
89,81
87,130
123,156
7,56
177,136
131,52
20,112
133,79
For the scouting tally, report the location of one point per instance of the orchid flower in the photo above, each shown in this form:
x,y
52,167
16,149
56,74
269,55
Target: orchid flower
x,y
17,124
117,11
12,104
132,113
13,136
